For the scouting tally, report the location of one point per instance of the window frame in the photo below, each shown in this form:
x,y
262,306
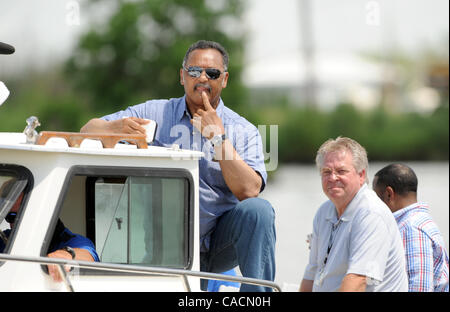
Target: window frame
x,y
21,173
93,172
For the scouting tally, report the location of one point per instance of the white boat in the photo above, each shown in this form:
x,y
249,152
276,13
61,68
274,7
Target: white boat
x,y
140,207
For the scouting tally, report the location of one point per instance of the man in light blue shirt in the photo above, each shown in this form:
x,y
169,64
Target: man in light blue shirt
x,y
236,227
356,245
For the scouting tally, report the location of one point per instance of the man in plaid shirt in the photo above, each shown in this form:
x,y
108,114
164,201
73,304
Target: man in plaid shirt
x,y
426,257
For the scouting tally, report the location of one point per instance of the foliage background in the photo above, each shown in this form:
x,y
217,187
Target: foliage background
x,y
136,55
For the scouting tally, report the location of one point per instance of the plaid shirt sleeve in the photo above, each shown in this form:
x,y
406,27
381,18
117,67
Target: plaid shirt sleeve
x,y
419,258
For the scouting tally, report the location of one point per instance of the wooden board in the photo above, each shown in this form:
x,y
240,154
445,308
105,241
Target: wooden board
x,y
108,140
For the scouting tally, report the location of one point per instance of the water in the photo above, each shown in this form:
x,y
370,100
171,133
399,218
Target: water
x,y
295,192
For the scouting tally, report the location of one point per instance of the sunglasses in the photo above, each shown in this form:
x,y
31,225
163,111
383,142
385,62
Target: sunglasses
x,y
195,71
11,217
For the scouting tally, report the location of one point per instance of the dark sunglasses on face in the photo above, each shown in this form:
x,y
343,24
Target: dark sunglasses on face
x,y
11,217
195,71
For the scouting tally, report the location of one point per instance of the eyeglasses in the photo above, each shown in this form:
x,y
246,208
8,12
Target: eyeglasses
x,y
195,71
326,172
11,217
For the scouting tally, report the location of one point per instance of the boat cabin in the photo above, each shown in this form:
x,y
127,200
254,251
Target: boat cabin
x,y
139,206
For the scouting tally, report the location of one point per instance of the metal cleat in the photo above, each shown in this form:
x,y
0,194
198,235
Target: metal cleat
x,y
30,132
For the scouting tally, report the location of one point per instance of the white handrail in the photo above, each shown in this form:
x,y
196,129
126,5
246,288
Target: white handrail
x,y
125,268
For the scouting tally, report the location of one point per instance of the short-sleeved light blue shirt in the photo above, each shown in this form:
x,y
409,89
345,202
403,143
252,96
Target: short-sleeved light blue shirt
x,y
366,241
174,127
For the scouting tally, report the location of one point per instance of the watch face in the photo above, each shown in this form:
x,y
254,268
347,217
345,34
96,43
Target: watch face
x,y
216,140
70,250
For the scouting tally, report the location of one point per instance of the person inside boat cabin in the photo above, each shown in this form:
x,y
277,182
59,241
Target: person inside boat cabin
x,y
426,256
236,227
355,245
64,243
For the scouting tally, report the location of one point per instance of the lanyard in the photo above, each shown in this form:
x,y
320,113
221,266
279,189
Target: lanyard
x,y
334,228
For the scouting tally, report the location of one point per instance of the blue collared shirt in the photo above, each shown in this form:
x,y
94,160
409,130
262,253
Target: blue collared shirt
x,y
174,127
74,241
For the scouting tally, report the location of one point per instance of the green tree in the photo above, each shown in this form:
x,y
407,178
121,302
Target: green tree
x,y
136,54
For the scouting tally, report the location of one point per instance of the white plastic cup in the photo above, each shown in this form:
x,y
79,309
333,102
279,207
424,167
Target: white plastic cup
x,y
150,129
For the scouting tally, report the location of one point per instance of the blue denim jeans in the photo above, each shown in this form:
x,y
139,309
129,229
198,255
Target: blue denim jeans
x,y
244,236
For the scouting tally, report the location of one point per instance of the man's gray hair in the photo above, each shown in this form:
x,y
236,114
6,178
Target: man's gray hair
x,y
204,44
360,161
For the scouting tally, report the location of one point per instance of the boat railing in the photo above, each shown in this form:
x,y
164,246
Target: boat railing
x,y
136,269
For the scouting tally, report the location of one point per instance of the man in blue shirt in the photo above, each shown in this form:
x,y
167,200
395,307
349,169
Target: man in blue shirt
x,y
64,243
236,227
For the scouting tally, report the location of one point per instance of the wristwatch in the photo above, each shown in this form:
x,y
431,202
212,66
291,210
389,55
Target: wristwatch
x,y
217,140
69,250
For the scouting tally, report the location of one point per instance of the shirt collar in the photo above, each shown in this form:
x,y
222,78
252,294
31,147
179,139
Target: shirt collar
x,y
219,109
351,207
399,214
181,109
332,214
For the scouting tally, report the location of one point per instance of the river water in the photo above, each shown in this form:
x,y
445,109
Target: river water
x,y
295,192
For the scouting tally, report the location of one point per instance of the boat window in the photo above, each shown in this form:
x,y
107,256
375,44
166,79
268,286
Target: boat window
x,y
15,182
141,220
139,216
